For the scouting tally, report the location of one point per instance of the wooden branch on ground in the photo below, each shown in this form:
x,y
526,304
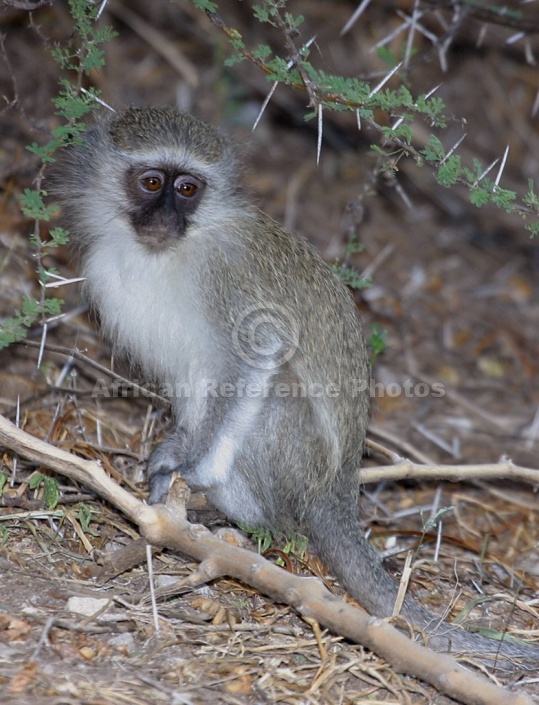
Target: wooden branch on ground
x,y
406,469
166,525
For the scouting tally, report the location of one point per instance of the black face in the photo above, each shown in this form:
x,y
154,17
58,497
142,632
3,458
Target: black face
x,y
160,203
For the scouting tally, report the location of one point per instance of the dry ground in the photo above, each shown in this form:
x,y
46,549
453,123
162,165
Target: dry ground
x,y
456,288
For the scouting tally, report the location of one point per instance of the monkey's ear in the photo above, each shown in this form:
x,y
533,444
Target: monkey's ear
x,y
75,161
74,136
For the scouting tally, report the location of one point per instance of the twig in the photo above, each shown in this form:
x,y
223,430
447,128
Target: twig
x,y
400,443
406,469
159,43
498,14
73,352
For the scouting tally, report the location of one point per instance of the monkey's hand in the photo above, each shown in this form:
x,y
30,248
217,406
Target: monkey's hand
x,y
168,457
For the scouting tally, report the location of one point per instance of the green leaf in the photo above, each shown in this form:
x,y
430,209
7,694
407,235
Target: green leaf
x,y
51,492
50,488
503,198
434,150
387,56
353,248
53,307
377,341
261,13
262,52
4,536
85,516
59,236
35,480
30,307
351,277
205,5
531,199
450,171
479,196
234,59
293,22
15,328
296,544
261,536
33,205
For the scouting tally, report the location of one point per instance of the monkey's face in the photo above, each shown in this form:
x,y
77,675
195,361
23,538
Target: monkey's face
x,y
155,176
161,201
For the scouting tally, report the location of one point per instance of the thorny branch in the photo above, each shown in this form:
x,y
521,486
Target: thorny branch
x,y
319,97
499,14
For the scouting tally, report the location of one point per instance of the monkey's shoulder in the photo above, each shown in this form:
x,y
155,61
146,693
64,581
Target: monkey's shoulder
x,y
288,263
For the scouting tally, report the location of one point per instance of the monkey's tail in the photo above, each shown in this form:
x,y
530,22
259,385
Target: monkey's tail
x,y
337,537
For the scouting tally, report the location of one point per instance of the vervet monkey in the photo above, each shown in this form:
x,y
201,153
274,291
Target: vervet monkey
x,y
260,338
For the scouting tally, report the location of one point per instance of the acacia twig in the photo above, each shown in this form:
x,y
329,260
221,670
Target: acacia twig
x,y
499,14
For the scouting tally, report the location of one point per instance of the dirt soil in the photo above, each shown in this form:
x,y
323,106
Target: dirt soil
x,y
455,287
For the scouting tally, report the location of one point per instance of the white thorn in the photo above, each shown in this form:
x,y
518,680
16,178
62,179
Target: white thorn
x,y
515,38
528,52
481,35
455,146
99,100
289,65
482,176
390,36
502,166
355,16
320,125
385,79
265,105
101,8
428,95
42,346
63,282
358,116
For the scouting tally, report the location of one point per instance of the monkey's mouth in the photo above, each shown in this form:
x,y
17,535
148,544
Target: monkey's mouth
x,y
156,239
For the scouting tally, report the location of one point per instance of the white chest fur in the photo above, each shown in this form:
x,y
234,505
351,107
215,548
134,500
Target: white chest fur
x,y
148,307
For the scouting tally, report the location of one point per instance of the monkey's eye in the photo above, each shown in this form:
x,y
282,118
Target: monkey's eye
x,y
187,186
151,181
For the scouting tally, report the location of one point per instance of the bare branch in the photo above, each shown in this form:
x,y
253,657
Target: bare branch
x,y
498,14
406,469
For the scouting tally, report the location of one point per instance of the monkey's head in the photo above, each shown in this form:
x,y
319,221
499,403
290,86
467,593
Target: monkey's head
x,y
152,174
